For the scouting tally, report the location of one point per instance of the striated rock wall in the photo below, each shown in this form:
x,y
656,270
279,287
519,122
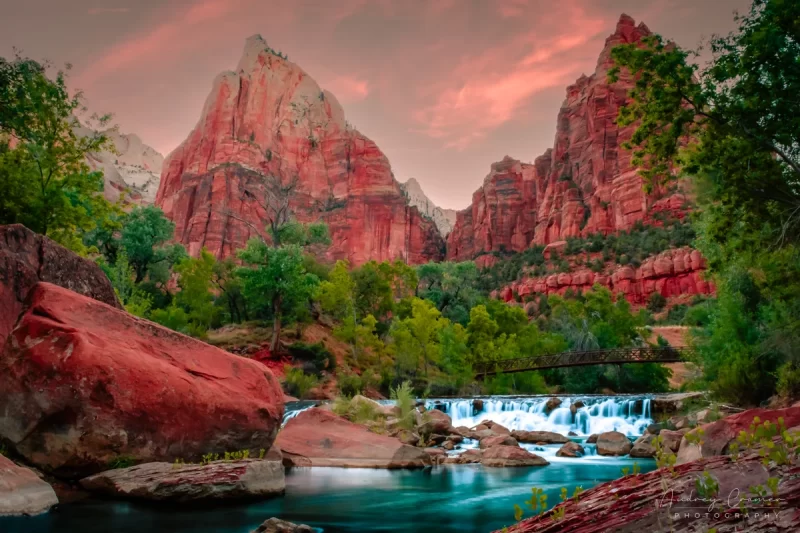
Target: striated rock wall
x,y
671,273
269,118
584,184
443,218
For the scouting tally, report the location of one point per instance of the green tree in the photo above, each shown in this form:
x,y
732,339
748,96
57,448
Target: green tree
x,y
451,286
275,281
195,296
46,182
144,236
481,331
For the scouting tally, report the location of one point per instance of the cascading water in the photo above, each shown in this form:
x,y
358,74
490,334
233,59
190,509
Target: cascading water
x,y
628,415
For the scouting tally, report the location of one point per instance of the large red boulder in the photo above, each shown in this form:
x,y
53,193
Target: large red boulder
x,y
27,258
717,436
317,437
84,383
270,118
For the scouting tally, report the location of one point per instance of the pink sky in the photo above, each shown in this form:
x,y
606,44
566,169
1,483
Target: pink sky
x,y
444,87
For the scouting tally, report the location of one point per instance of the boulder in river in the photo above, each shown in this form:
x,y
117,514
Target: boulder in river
x,y
671,439
592,439
435,422
406,437
535,437
571,449
85,383
470,456
499,440
220,480
276,525
575,406
494,427
504,456
320,438
613,443
644,446
552,404
22,492
437,455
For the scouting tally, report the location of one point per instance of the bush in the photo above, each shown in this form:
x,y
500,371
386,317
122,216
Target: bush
x,y
789,381
317,354
404,399
351,383
297,383
656,302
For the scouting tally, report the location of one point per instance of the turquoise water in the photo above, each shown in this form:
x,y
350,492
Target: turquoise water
x,y
450,498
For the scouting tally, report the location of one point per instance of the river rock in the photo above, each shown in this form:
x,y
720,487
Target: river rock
x,y
575,406
79,378
457,439
592,439
718,435
406,437
535,437
571,449
477,405
220,480
552,404
436,440
22,492
654,429
679,422
276,525
437,455
643,446
499,440
671,439
448,445
670,403
435,421
503,456
494,427
27,258
470,456
321,438
613,443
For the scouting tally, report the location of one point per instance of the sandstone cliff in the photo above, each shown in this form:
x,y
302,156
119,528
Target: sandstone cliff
x,y
585,184
443,218
269,118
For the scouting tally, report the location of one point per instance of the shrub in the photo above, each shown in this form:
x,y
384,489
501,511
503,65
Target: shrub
x,y
317,354
298,383
789,381
656,302
404,399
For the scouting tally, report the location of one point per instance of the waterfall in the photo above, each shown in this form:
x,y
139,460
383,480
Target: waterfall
x,y
626,414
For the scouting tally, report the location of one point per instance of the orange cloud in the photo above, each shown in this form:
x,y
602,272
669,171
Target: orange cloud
x,y
105,10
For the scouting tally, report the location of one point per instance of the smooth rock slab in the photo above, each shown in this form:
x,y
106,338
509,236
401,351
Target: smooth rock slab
x,y
504,456
613,443
220,480
22,492
276,525
499,440
534,437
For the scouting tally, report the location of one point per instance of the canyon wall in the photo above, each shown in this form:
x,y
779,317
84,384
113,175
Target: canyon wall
x,y
269,120
585,184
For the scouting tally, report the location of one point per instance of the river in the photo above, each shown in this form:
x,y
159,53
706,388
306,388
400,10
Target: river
x,y
448,498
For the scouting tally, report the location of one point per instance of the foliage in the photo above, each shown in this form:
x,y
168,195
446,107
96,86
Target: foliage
x,y
404,401
452,287
297,383
144,236
195,296
734,128
46,182
320,358
656,302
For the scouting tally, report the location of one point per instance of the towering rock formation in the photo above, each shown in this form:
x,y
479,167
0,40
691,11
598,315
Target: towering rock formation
x,y
443,218
584,184
135,168
270,120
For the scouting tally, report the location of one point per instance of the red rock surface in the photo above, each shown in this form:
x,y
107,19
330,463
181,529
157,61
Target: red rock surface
x,y
317,437
671,273
270,118
585,184
663,501
84,383
22,492
27,258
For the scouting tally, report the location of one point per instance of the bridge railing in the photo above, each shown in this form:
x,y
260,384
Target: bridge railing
x,y
645,354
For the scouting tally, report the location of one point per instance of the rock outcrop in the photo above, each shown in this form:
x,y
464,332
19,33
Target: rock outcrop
x,y
270,120
84,383
22,492
27,258
317,437
669,500
585,184
182,483
536,437
443,218
134,170
671,273
504,456
276,525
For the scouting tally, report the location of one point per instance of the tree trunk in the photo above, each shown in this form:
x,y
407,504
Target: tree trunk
x,y
276,324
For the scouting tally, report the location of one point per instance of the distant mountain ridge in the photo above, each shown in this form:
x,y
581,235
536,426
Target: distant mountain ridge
x,y
443,218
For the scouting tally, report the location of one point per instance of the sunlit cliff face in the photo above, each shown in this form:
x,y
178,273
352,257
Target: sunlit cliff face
x,y
444,87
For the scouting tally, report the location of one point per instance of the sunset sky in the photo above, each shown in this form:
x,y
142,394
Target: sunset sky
x,y
444,87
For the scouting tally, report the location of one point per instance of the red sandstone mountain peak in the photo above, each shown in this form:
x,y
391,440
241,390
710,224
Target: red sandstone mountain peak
x,y
270,118
586,183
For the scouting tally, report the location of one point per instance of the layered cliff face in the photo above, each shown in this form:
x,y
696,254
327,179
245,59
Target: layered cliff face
x,y
443,218
132,168
585,184
270,120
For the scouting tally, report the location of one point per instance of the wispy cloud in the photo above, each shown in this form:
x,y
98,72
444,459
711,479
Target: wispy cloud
x,y
348,88
107,10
